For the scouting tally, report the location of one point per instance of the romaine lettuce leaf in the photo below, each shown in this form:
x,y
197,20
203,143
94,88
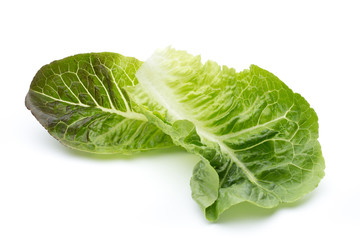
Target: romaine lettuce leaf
x,y
80,100
256,137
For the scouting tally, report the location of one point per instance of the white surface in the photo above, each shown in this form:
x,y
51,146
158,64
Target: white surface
x,y
50,192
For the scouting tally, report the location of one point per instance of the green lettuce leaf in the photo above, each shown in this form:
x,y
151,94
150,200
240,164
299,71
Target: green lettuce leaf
x,y
257,138
81,101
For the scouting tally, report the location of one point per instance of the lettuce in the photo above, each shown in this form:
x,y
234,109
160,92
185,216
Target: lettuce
x,y
257,139
80,100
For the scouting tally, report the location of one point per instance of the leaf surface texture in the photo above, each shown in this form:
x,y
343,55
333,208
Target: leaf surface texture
x,y
256,137
81,101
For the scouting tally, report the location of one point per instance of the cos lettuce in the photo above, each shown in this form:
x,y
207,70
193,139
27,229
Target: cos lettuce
x,y
81,101
256,138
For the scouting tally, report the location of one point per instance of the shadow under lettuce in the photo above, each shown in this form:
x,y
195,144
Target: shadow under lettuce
x,y
121,156
248,212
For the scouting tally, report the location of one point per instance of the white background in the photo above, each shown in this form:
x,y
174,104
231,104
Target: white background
x,y
50,192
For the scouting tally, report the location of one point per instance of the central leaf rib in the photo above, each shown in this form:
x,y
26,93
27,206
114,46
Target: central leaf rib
x,y
166,97
227,151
